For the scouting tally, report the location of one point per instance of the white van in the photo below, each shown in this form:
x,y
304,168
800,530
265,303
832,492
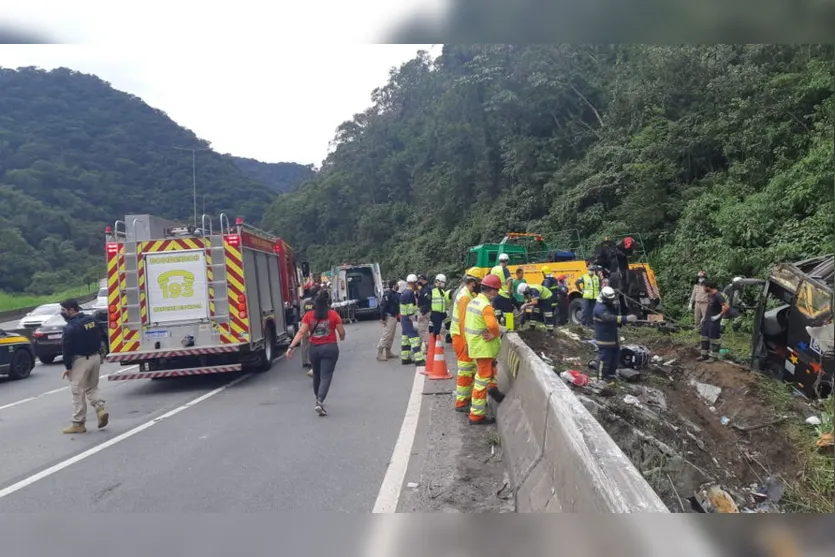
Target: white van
x,y
362,283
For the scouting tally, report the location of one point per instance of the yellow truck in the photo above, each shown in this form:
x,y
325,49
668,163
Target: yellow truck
x,y
638,287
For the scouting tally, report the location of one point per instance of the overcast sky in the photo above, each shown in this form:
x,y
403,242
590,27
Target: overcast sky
x,y
271,85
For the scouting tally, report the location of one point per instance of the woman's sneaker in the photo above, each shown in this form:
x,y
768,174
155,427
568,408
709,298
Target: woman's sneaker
x,y
320,409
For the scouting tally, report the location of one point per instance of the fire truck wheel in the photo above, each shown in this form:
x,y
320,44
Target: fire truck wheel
x,y
265,356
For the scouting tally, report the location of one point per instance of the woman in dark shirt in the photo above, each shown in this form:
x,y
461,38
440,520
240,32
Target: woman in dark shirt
x,y
323,325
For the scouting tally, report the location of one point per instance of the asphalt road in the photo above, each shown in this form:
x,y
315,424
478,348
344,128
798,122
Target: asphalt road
x,y
191,445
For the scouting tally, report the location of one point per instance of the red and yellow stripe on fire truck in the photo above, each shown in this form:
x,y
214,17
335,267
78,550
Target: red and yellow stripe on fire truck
x,y
122,338
236,330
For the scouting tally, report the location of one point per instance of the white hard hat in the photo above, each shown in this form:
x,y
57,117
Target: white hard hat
x,y
504,257
737,279
607,293
522,289
441,278
411,279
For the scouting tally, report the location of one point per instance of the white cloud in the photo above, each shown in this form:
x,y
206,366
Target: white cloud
x,y
271,84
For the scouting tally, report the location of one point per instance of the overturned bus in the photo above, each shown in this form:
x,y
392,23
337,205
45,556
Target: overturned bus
x,y
793,325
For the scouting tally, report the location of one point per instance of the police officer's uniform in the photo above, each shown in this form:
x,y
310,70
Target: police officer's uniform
x,y
307,305
80,352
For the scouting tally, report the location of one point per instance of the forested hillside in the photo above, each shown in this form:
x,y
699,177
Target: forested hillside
x,y
75,155
721,157
281,177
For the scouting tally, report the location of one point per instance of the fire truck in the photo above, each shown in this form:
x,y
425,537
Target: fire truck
x,y
184,300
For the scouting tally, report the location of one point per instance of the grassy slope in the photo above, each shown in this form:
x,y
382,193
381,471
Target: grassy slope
x,y
10,302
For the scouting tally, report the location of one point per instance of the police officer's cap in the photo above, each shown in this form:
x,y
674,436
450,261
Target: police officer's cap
x,y
71,304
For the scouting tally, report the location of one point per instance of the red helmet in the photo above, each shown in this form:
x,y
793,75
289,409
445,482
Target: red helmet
x,y
562,277
491,281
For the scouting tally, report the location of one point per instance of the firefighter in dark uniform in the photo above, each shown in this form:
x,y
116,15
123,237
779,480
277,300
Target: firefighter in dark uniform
x,y
711,325
606,320
561,292
307,305
424,305
82,360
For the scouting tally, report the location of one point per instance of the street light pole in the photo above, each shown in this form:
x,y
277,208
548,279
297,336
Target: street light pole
x,y
193,175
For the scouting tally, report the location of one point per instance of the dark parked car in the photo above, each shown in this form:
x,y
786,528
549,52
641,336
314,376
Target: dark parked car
x,y
46,340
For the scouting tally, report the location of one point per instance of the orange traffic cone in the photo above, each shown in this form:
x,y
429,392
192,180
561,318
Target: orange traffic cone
x,y
430,357
438,369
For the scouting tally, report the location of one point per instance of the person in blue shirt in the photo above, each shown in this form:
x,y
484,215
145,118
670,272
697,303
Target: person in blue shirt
x,y
606,322
82,363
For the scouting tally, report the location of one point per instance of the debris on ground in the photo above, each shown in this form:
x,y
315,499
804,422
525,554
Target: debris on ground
x,y
702,434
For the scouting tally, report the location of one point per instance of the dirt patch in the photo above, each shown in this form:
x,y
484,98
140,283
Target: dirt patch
x,y
688,424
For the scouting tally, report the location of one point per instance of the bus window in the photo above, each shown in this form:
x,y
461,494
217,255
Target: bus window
x,y
813,301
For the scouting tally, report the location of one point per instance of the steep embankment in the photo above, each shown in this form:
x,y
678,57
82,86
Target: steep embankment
x,y
719,157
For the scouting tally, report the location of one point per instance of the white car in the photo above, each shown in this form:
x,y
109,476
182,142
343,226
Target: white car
x,y
38,316
101,299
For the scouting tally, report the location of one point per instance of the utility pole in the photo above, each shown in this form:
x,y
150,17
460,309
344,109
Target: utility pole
x,y
193,175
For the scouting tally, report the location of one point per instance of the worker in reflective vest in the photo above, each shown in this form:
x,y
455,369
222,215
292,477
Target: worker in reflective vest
x,y
483,336
440,305
542,300
589,285
410,345
466,366
503,303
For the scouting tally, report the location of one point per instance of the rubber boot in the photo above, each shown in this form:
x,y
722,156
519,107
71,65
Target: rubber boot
x,y
75,428
103,416
486,421
381,355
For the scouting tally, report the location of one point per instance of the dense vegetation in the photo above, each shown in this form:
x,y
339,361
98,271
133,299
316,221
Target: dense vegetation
x,y
281,177
75,155
719,156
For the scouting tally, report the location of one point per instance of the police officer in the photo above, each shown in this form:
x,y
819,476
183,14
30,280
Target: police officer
x,y
607,319
307,305
389,316
80,352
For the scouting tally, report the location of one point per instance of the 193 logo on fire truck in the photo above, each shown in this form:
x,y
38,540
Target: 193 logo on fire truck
x,y
177,286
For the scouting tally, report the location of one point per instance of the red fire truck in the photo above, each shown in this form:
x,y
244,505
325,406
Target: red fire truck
x,y
184,300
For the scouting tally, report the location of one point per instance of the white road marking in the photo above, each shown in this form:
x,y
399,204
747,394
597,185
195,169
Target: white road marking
x,y
389,493
119,438
53,391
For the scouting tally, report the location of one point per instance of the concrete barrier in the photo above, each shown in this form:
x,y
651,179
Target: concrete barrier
x,y
560,459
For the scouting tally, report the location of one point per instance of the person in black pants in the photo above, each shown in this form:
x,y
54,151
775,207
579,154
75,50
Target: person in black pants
x,y
323,325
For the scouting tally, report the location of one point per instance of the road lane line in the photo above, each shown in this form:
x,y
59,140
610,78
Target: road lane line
x,y
53,391
389,493
119,438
